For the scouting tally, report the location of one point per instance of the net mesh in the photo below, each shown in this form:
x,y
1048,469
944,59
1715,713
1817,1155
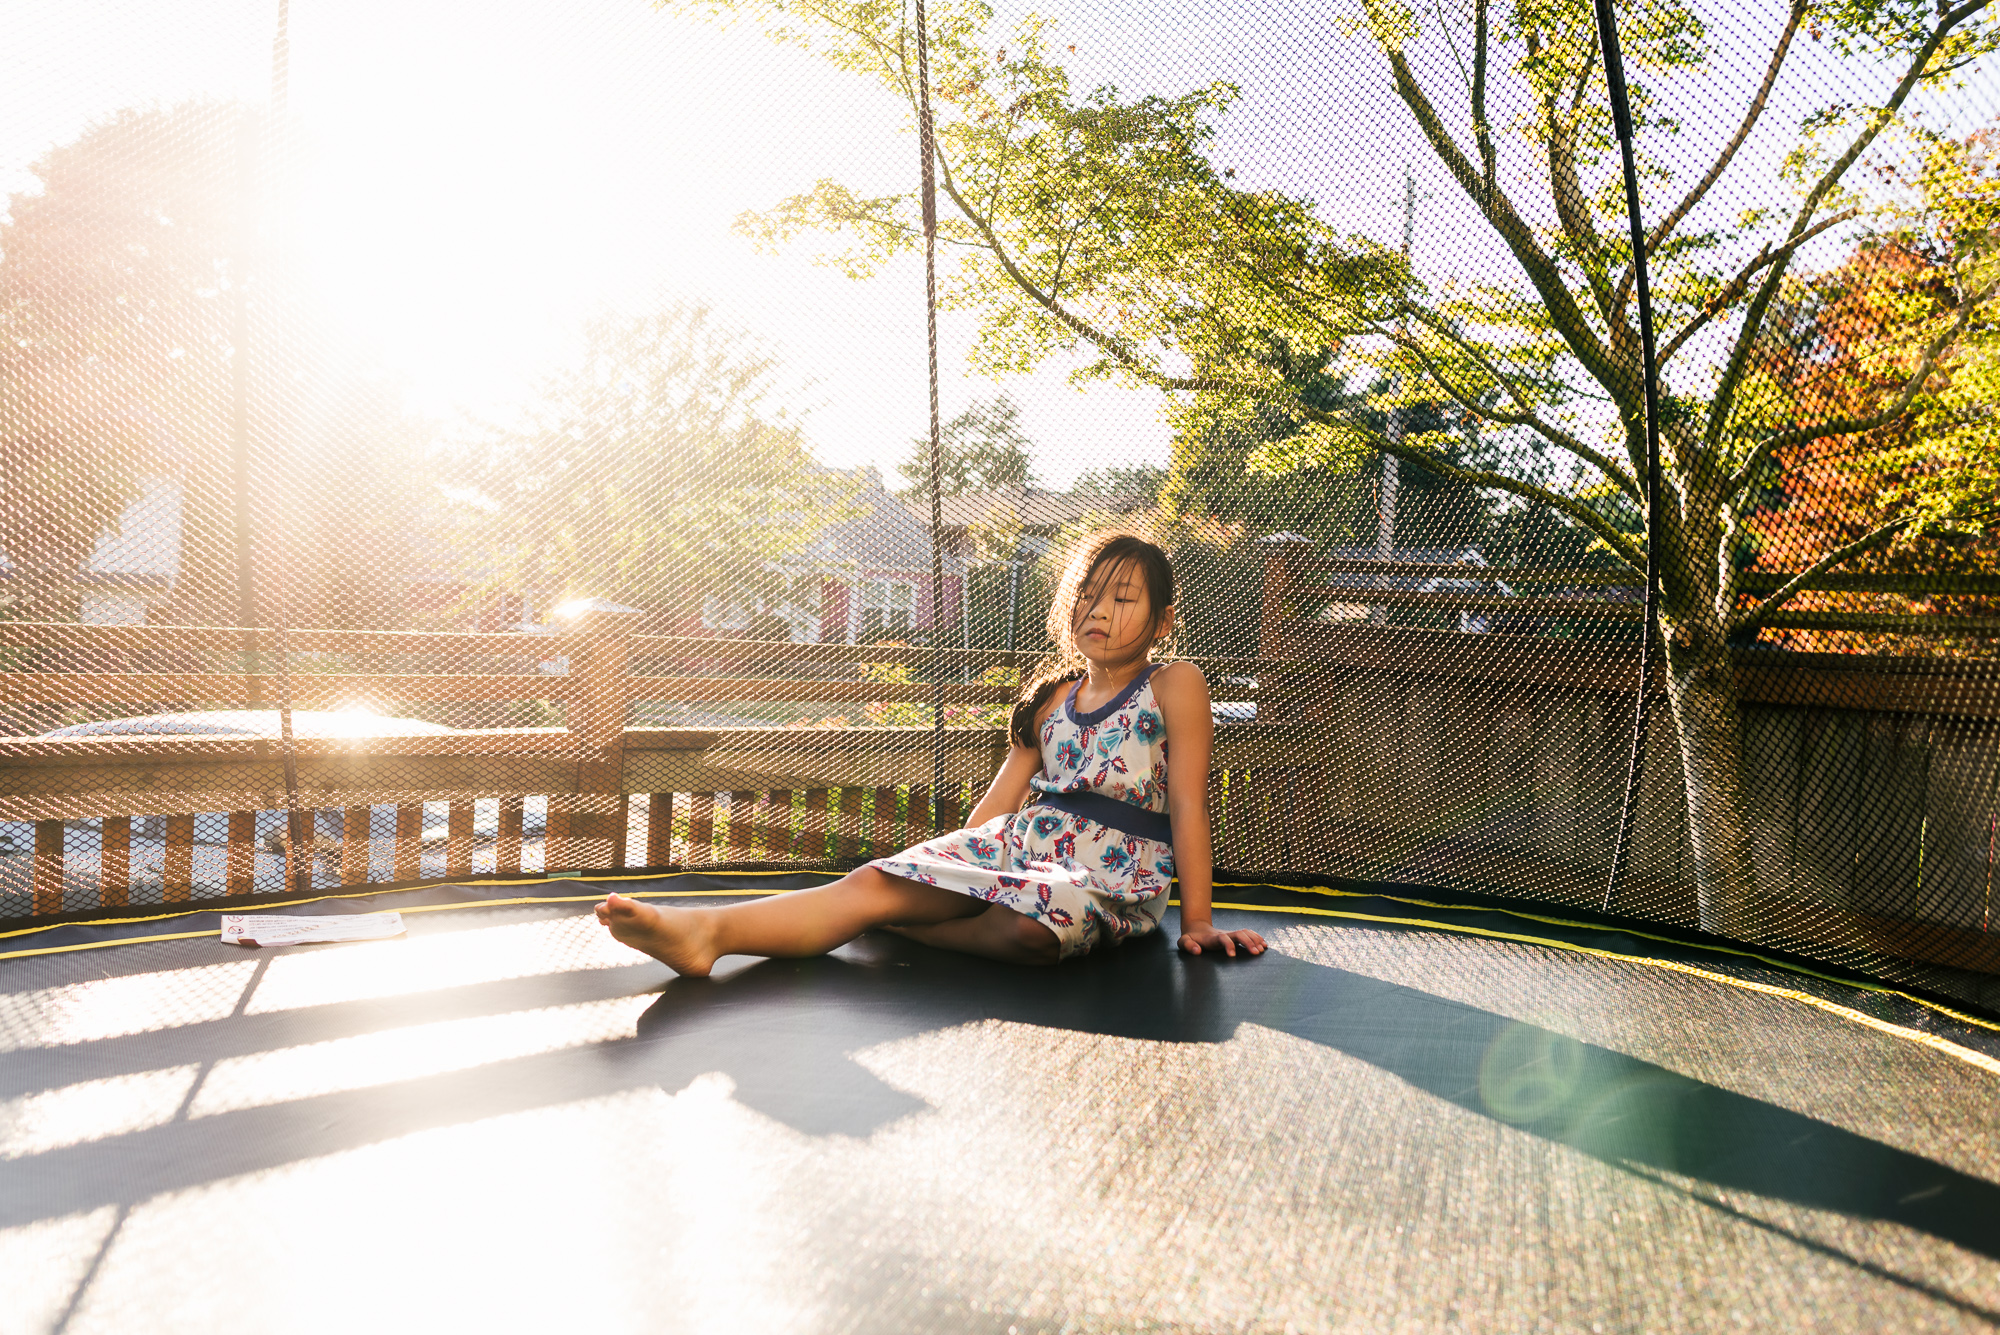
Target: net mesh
x,y
438,443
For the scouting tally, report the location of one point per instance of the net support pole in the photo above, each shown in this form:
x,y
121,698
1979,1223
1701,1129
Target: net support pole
x,y
299,825
239,398
1621,115
927,148
1391,481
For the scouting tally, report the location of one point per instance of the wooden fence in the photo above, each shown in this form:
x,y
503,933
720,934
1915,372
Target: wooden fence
x,y
1483,761
1497,763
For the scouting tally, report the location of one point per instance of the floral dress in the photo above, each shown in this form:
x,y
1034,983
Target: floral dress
x,y
1091,855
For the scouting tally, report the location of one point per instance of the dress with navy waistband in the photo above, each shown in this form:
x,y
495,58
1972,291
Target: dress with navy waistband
x,y
1088,881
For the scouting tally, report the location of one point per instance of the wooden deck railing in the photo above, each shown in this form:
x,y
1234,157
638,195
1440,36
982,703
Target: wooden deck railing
x,y
614,796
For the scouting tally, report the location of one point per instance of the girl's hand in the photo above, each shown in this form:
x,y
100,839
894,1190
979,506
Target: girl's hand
x,y
1197,939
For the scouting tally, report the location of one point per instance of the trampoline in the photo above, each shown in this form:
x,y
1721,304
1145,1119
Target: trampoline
x,y
462,460
1413,1113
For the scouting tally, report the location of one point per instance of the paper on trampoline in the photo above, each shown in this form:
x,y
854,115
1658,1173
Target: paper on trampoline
x,y
245,929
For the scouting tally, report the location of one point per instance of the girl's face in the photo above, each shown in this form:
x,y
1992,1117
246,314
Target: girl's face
x,y
1114,620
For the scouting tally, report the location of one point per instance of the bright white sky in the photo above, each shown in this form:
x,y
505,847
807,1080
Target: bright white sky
x,y
488,173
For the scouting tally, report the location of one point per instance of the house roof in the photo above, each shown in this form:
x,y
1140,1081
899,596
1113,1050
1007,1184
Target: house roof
x,y
1359,582
142,550
1356,584
883,534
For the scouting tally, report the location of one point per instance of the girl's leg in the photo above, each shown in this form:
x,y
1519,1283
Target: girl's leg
x,y
802,922
997,934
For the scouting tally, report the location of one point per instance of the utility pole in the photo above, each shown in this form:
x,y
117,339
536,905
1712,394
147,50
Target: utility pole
x,y
1385,521
1013,593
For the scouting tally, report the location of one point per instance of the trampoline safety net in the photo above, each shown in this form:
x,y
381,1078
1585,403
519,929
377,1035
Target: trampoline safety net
x,y
442,442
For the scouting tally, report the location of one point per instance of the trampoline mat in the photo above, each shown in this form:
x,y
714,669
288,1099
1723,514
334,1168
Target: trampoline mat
x,y
506,1121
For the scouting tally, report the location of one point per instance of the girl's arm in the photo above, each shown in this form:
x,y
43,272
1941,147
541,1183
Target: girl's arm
x,y
1183,696
1009,786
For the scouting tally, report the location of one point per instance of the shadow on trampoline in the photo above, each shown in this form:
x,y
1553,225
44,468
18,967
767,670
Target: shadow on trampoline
x,y
782,1031
779,1029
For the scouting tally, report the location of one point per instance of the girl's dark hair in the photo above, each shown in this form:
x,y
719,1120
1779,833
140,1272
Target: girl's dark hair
x,y
1105,553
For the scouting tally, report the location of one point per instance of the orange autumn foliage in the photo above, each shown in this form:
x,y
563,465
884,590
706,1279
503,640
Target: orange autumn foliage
x,y
1843,349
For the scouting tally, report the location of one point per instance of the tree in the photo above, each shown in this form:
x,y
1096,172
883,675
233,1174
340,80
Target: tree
x,y
1097,224
357,488
114,332
981,449
119,281
651,472
1238,468
1833,340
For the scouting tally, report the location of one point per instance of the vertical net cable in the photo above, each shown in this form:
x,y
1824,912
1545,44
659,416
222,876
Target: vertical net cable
x,y
1621,113
299,834
927,150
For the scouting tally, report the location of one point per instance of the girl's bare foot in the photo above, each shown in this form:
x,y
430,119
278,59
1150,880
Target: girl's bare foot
x,y
676,938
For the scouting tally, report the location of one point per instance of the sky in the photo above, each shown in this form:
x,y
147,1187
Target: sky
x,y
478,178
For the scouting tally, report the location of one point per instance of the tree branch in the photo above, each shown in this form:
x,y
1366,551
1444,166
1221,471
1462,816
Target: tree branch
x,y
1665,227
1620,544
1753,319
1520,239
1566,189
1482,131
1753,618
1733,289
1000,164
1555,435
1848,426
1118,349
1583,74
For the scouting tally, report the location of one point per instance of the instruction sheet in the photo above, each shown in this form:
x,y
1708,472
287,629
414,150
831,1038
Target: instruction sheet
x,y
270,929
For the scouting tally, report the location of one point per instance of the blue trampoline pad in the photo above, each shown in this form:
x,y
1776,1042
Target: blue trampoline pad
x,y
1407,1115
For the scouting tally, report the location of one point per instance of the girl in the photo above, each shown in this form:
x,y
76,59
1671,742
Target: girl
x,y
1075,844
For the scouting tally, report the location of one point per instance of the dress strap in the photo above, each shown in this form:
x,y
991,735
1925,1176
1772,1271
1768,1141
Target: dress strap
x,y
1115,703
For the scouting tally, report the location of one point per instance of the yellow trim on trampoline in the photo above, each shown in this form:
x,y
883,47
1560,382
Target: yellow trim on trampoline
x,y
100,945
416,908
1932,1041
1882,988
390,890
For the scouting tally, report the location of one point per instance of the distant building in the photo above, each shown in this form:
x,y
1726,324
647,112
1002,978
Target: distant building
x,y
863,579
1351,588
136,563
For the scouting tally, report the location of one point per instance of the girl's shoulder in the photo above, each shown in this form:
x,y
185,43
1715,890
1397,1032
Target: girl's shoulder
x,y
1178,677
1179,685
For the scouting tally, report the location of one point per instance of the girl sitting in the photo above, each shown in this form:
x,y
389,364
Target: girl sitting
x,y
1075,845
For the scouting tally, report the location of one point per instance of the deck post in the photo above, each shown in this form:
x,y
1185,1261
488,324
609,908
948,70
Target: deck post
x,y
659,829
1281,556
357,839
458,840
595,642
177,866
114,862
507,836
1282,553
48,866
